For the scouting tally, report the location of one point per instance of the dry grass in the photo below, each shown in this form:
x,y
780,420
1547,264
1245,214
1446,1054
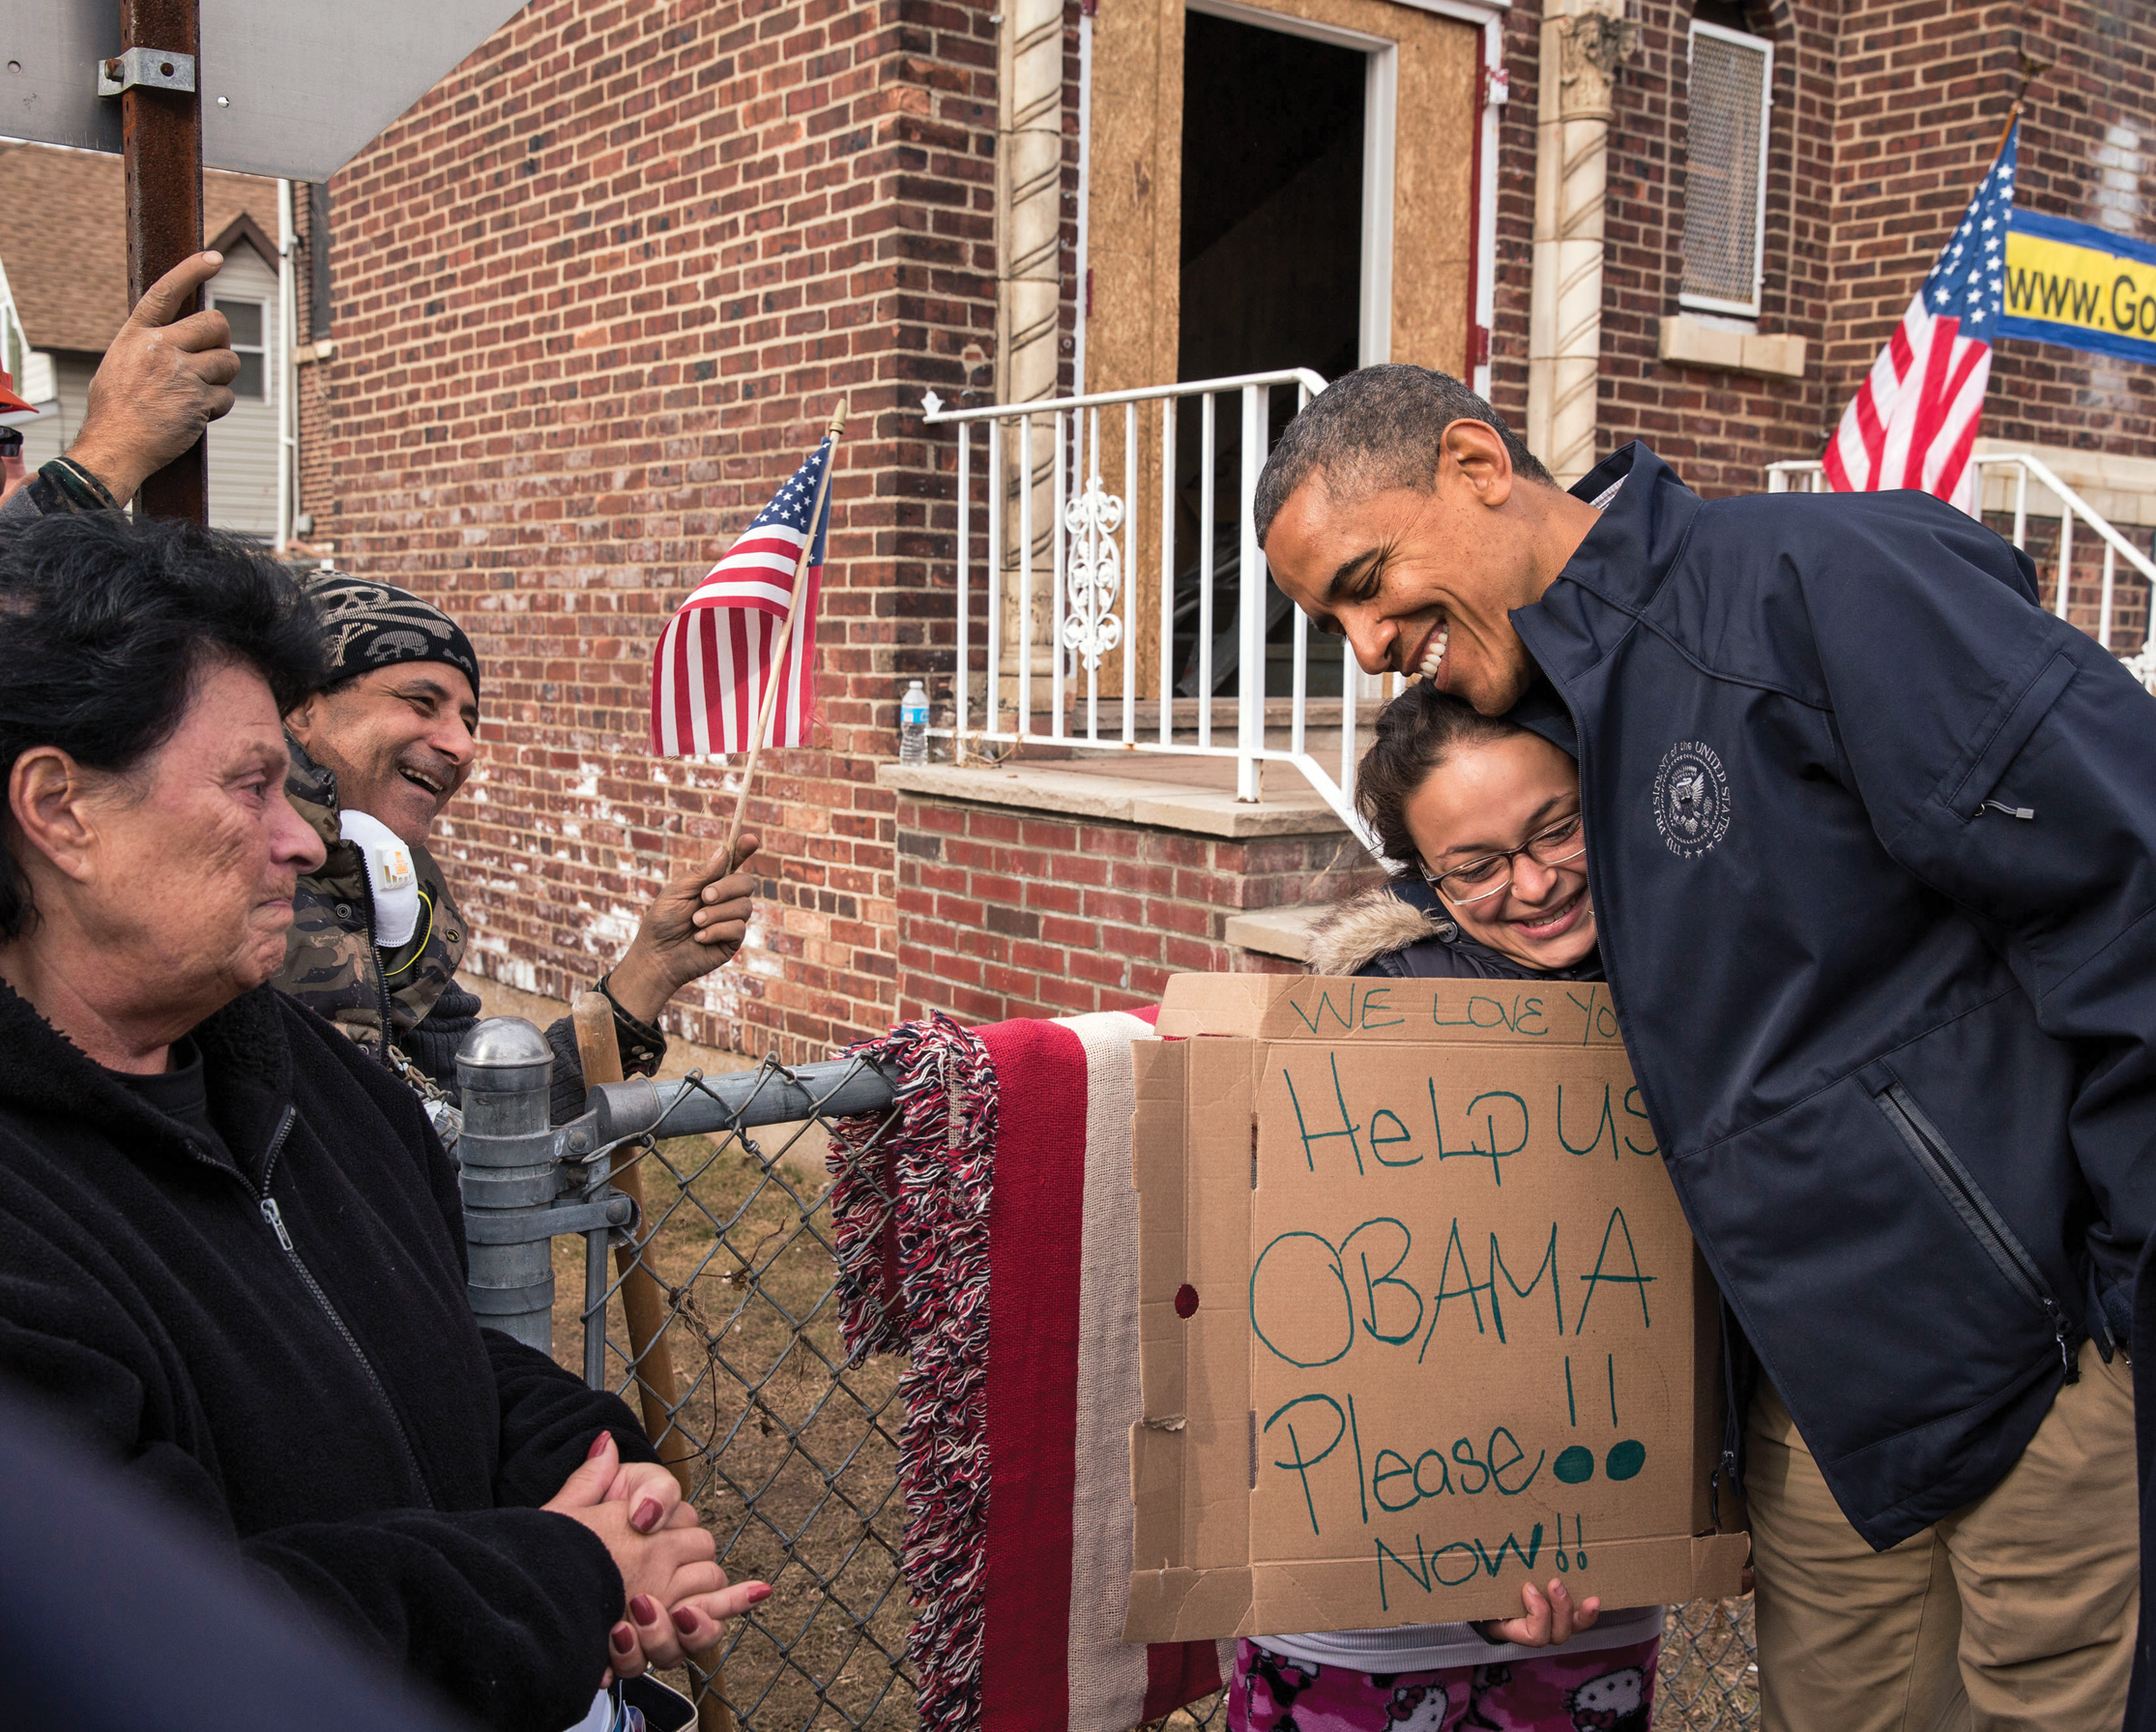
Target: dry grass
x,y
1709,1682
797,1455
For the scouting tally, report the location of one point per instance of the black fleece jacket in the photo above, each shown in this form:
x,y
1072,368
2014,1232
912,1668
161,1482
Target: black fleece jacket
x,y
277,1338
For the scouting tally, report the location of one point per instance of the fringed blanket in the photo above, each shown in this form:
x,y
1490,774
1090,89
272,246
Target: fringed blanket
x,y
994,1229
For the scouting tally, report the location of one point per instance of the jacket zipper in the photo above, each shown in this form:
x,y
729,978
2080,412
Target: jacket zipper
x,y
1976,1212
1728,1471
374,962
276,1217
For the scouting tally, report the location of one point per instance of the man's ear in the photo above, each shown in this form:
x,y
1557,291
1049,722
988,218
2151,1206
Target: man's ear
x,y
49,800
304,716
1475,452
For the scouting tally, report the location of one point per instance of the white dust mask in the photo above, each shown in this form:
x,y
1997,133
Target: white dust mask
x,y
390,872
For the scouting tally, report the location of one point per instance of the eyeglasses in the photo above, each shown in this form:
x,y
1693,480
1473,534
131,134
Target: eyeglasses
x,y
1554,846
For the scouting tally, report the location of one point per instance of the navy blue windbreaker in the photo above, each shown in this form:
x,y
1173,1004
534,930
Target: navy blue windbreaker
x,y
1873,851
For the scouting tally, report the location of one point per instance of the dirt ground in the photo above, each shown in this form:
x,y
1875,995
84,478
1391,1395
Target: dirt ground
x,y
797,1455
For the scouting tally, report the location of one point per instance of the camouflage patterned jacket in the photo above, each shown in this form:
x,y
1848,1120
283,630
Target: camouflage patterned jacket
x,y
331,966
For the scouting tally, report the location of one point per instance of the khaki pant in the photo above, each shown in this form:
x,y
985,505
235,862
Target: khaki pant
x,y
2017,1611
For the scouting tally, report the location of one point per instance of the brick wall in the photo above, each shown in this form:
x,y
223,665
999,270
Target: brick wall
x,y
1005,913
1719,429
1885,114
595,295
595,298
1925,91
2087,135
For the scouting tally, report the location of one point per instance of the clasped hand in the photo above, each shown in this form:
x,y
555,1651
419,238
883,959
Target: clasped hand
x,y
678,1597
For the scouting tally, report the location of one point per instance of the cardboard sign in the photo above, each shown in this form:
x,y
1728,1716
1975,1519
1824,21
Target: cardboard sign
x,y
1420,1318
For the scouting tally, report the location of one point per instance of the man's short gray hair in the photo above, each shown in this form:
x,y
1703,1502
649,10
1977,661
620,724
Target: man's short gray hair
x,y
1374,429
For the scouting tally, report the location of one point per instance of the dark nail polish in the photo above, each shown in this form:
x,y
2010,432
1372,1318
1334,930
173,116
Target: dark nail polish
x,y
597,1448
643,1610
622,1641
647,1516
686,1622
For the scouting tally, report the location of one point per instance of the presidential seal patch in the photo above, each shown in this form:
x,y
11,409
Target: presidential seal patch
x,y
1691,798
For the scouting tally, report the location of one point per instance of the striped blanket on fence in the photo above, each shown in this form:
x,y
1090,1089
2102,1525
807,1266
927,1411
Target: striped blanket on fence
x,y
991,1233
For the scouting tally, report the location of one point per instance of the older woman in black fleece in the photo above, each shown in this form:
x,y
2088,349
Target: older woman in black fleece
x,y
230,1247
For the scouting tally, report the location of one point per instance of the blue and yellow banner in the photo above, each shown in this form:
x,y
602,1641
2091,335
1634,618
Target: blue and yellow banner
x,y
2081,286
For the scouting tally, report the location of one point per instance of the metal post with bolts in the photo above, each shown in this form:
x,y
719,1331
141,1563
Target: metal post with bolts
x,y
522,1180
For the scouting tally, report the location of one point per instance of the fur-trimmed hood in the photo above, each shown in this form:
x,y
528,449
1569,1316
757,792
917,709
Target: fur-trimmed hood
x,y
1402,929
1369,925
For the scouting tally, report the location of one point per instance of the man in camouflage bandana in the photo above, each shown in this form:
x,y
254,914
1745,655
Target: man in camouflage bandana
x,y
393,735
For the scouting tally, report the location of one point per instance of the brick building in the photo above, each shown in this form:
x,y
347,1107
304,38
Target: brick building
x,y
576,314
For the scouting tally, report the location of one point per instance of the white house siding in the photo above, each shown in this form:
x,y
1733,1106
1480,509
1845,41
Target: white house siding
x,y
244,444
47,437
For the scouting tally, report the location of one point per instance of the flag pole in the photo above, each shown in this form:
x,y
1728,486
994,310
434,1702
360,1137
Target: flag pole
x,y
769,705
2031,71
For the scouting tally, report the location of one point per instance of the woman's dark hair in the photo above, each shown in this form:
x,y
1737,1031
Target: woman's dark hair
x,y
1417,732
104,624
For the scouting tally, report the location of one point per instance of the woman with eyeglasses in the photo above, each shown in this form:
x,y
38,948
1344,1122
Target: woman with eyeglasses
x,y
1485,817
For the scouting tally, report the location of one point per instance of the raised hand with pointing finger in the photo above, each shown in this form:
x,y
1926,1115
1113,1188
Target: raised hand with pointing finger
x,y
165,377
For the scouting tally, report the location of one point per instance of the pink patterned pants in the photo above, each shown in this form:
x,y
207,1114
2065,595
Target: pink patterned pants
x,y
1611,1690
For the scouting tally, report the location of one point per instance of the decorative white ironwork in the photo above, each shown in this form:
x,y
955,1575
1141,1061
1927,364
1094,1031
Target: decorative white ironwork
x,y
1093,576
1080,585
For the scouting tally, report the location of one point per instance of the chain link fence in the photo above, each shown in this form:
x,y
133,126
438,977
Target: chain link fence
x,y
791,1454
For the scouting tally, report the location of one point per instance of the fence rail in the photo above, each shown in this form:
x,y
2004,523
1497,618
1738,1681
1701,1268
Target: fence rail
x,y
790,1452
1110,586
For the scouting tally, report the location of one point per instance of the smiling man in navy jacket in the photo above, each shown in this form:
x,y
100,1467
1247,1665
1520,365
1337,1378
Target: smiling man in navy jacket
x,y
1873,853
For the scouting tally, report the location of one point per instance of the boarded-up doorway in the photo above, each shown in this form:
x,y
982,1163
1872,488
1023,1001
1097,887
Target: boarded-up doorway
x,y
1134,219
1374,192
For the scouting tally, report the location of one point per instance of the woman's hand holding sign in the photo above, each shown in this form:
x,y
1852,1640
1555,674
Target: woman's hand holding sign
x,y
1549,1620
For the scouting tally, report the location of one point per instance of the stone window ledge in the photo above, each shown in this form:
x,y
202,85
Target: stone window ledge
x,y
1692,341
1179,800
1277,931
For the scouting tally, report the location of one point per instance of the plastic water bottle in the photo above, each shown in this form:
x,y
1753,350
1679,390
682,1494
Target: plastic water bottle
x,y
913,725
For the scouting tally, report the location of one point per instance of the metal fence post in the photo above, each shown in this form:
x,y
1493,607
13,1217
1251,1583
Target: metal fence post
x,y
507,1175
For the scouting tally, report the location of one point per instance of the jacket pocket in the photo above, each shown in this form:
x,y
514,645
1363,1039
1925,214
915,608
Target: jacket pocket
x,y
1966,793
1975,1210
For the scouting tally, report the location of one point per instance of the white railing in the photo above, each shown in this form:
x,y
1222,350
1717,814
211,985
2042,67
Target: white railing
x,y
2018,469
1059,642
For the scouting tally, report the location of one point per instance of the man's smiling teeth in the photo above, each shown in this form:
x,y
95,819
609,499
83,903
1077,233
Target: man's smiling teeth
x,y
1435,653
413,776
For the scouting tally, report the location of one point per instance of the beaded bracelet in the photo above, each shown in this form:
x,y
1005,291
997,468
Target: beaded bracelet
x,y
78,487
642,1046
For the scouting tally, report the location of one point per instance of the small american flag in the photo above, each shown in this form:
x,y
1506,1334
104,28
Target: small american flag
x,y
708,677
1915,419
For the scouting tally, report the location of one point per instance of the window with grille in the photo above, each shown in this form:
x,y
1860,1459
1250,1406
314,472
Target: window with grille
x,y
249,320
1725,195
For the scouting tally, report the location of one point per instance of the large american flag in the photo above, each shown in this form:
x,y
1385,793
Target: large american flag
x,y
1915,419
708,675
